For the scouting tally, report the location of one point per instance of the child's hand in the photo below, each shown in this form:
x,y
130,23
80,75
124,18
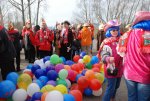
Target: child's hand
x,y
111,59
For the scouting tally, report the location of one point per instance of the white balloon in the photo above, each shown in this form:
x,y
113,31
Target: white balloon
x,y
27,70
19,95
42,65
32,88
47,63
68,83
54,96
36,62
97,92
80,61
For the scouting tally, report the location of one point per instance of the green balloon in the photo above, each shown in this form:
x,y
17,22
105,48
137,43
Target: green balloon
x,y
10,99
61,81
63,74
60,60
89,65
54,59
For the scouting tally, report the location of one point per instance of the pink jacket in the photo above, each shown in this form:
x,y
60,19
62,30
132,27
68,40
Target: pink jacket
x,y
136,64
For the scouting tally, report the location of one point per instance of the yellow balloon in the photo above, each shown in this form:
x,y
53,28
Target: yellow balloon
x,y
100,77
23,81
86,59
102,69
47,88
63,89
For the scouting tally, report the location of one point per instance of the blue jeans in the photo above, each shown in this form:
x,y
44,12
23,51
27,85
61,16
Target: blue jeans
x,y
138,91
112,86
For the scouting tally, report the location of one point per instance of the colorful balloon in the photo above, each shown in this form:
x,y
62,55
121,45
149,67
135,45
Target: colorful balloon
x,y
88,92
90,74
83,82
86,59
100,77
63,74
52,75
77,94
36,96
54,59
47,88
12,77
95,84
61,88
43,80
32,88
19,95
97,92
76,58
61,81
54,96
59,67
69,97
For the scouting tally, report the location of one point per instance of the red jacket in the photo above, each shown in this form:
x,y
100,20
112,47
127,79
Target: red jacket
x,y
31,36
44,43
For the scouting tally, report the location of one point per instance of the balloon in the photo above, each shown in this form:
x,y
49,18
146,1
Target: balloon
x,y
9,99
39,73
68,83
36,62
69,62
83,72
42,65
77,94
60,60
51,82
90,74
94,60
46,58
76,67
76,58
47,63
71,75
61,81
88,92
32,88
7,88
100,77
38,82
59,67
29,73
81,66
34,68
43,80
52,75
63,89
50,67
36,96
69,97
19,95
54,59
86,59
80,61
29,66
96,69
78,76
27,70
97,65
83,82
63,59
44,96
95,84
97,92
89,65
82,54
12,77
54,96
63,74
67,67
23,81
47,88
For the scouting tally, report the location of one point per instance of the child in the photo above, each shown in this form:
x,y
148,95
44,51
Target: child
x,y
113,62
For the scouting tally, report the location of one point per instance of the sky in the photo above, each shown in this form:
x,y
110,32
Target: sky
x,y
59,10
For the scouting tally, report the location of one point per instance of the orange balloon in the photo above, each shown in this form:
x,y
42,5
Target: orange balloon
x,y
29,73
96,69
83,82
67,67
82,66
95,84
77,94
90,74
44,96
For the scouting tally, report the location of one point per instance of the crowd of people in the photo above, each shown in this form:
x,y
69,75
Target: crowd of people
x,y
127,54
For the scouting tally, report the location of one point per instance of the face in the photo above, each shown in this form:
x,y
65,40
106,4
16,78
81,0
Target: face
x,y
43,26
114,33
28,25
66,25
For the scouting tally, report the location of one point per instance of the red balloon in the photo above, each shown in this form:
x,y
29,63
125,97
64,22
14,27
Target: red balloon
x,y
96,65
72,75
95,84
76,58
77,94
82,66
76,87
75,67
96,69
29,73
83,82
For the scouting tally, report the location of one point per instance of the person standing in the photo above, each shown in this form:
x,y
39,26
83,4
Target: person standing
x,y
7,53
44,38
23,42
134,46
86,39
66,41
15,38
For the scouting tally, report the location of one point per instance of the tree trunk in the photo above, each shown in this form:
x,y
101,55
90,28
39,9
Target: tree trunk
x,y
38,8
29,10
22,11
1,17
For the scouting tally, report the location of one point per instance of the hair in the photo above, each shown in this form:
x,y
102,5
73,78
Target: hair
x,y
66,22
145,25
108,34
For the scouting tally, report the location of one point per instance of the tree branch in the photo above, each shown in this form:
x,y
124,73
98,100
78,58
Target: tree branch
x,y
13,3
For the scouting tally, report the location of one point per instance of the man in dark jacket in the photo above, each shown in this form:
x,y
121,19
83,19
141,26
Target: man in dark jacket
x,y
7,53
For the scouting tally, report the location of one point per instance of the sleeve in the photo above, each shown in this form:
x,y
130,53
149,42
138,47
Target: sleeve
x,y
51,36
106,53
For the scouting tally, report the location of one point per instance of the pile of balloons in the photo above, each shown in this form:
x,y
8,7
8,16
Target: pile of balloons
x,y
55,79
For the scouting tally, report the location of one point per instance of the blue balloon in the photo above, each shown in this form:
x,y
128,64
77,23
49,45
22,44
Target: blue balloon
x,y
39,83
69,62
94,60
13,76
44,80
34,68
29,66
63,58
83,72
47,58
82,54
78,76
88,92
7,88
39,72
36,96
69,97
52,75
50,67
